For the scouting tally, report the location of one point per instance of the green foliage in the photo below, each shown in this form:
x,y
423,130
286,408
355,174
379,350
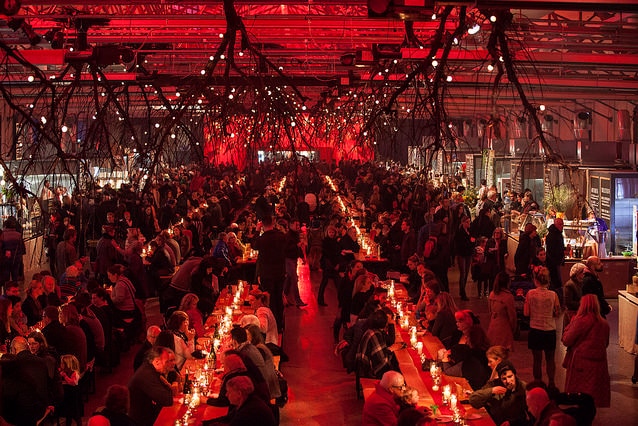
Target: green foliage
x,y
562,198
470,197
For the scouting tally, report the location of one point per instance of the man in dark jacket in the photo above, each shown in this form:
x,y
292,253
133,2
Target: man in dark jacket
x,y
271,266
25,385
555,249
149,389
593,285
504,398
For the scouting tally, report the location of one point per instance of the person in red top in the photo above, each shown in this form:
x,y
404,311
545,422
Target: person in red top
x,y
381,407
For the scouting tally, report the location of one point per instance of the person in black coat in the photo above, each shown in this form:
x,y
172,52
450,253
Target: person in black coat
x,y
149,389
25,385
330,253
251,410
53,331
463,249
555,245
528,242
271,266
593,285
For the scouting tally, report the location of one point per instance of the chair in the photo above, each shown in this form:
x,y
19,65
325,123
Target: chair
x,y
578,405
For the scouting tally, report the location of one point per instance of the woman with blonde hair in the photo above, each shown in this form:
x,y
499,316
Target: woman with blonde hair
x,y
542,307
587,338
189,305
260,302
444,326
361,293
495,355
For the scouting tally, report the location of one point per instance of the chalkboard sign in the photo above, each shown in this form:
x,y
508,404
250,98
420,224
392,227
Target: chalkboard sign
x,y
469,169
548,183
517,177
605,198
489,167
594,194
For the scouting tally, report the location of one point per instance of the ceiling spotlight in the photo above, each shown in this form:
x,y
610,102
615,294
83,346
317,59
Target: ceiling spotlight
x,y
490,67
30,79
449,78
541,107
65,129
493,18
474,29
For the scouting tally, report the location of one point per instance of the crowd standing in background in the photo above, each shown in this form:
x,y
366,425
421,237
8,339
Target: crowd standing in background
x,y
180,239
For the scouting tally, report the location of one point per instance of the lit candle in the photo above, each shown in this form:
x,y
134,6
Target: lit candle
x,y
446,393
432,369
419,347
453,402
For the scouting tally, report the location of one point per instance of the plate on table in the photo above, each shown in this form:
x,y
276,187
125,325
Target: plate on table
x,y
444,419
473,416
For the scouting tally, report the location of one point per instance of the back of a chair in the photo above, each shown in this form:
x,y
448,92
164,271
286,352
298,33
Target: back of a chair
x,y
578,405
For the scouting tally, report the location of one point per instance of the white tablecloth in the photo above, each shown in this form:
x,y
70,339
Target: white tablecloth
x,y
627,318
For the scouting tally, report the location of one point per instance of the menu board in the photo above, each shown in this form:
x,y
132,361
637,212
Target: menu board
x,y
469,169
516,175
605,198
594,194
489,167
547,183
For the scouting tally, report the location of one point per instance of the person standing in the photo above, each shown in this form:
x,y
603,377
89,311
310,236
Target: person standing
x,y
330,255
555,258
271,266
542,306
13,249
66,253
592,284
587,338
149,389
528,242
503,319
463,249
294,251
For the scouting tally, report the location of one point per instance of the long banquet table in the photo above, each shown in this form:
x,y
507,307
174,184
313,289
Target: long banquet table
x,y
415,377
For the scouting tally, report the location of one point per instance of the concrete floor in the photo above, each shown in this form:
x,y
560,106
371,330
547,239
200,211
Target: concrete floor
x,y
321,393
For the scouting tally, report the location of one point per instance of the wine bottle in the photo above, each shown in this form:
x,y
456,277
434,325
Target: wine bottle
x,y
187,385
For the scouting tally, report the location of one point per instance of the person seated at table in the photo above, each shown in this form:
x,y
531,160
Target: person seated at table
x,y
429,290
543,409
51,294
195,317
31,306
344,294
382,407
495,355
467,358
115,409
260,302
234,366
151,336
184,337
444,327
149,389
257,339
503,397
251,410
374,357
361,293
415,416
413,286
249,353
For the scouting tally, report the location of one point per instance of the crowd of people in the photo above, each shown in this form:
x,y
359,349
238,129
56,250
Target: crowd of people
x,y
185,237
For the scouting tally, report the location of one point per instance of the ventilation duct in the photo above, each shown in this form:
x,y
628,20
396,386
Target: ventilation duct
x,y
547,124
624,125
582,125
